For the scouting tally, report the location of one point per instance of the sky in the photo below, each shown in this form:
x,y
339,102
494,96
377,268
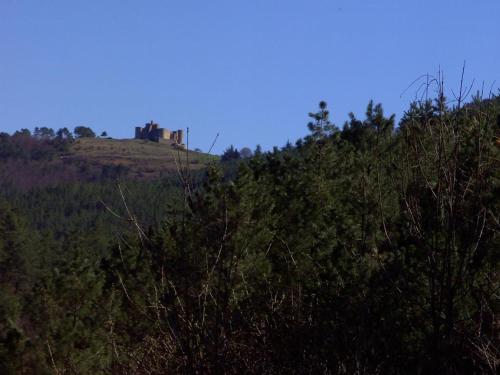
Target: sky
x,y
248,70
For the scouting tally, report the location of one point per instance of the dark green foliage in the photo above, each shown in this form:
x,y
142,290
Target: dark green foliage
x,y
43,145
231,153
22,133
246,152
84,132
19,268
64,134
44,132
365,250
348,253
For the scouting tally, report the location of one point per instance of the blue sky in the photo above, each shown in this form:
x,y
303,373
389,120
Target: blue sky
x,y
250,70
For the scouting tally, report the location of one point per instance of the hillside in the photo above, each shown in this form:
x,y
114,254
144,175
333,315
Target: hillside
x,y
142,158
350,248
41,163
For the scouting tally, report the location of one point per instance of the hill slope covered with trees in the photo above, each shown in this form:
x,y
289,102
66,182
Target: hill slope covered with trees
x,y
363,250
48,159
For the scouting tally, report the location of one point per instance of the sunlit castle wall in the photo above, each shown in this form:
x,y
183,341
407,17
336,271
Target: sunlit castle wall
x,y
163,133
178,136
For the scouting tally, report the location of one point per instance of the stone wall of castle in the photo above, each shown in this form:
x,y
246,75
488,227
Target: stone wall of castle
x,y
154,133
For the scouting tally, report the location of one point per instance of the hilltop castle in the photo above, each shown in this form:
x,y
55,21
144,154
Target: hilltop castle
x,y
154,133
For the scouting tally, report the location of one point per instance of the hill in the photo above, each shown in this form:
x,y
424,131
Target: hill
x,y
369,247
142,158
27,162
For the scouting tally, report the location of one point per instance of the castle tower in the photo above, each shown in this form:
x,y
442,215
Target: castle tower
x,y
138,132
180,137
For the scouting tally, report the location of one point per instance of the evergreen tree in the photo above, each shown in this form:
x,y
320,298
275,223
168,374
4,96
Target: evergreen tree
x,y
84,132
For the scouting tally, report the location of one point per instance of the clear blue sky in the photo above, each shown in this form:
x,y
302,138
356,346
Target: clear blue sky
x,y
249,70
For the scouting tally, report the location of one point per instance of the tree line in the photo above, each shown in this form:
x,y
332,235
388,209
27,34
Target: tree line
x,y
365,249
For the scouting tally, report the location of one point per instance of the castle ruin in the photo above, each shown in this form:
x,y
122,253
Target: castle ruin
x,y
153,132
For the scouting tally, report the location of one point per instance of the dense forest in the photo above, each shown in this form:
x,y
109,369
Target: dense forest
x,y
370,248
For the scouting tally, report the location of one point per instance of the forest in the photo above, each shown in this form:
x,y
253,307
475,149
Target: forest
x,y
367,248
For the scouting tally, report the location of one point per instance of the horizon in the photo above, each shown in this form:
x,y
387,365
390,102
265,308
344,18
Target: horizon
x,y
250,72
